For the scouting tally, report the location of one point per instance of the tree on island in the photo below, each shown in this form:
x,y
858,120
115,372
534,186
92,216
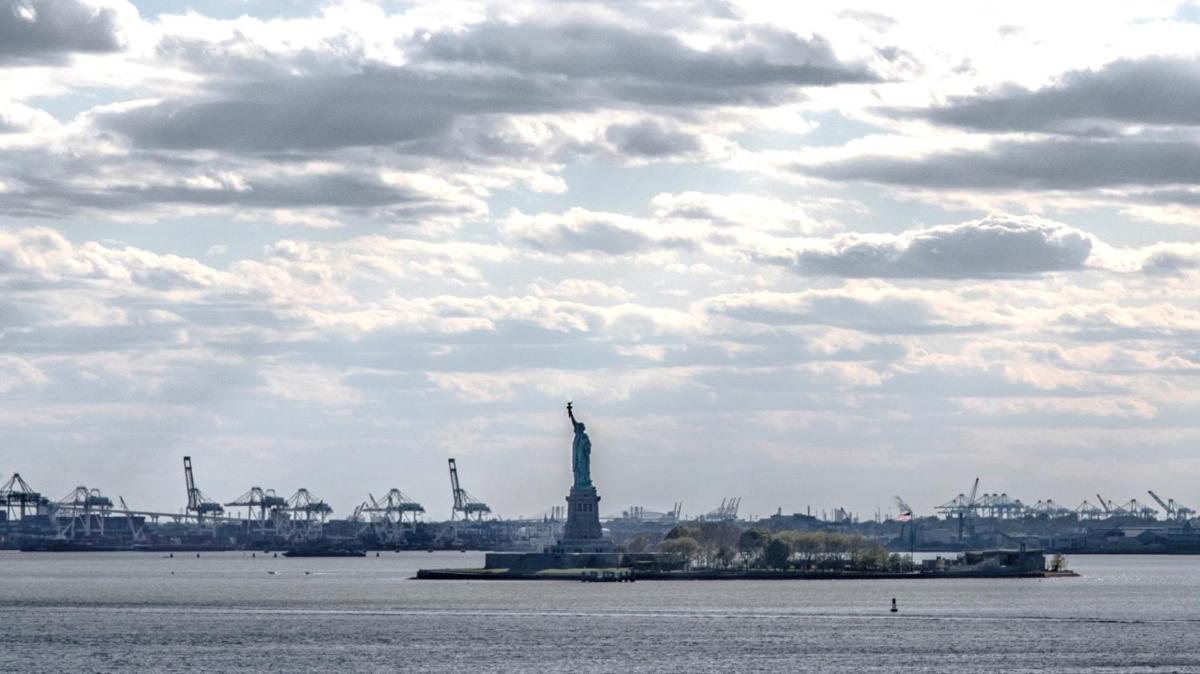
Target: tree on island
x,y
717,540
751,543
777,553
643,542
685,548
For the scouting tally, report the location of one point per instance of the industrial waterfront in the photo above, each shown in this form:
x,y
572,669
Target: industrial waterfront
x,y
262,519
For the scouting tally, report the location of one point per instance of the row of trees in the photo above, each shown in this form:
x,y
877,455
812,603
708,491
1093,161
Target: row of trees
x,y
723,545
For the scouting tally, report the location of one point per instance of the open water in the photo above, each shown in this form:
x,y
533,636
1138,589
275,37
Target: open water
x,y
90,612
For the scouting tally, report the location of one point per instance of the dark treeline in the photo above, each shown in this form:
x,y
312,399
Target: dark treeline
x,y
722,545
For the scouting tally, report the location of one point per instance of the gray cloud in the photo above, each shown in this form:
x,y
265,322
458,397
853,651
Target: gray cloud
x,y
51,190
380,105
1056,164
891,313
650,139
994,247
590,234
1166,259
492,70
33,31
1157,91
649,66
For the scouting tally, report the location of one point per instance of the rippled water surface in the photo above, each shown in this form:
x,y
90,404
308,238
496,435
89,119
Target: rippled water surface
x,y
228,612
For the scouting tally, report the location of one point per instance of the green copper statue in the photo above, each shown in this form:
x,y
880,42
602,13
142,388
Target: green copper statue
x,y
581,452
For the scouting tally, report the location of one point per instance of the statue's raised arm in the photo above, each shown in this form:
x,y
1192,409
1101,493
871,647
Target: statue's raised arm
x,y
581,452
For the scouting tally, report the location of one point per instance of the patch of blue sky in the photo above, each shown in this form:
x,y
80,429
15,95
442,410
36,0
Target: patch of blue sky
x,y
831,130
629,189
68,106
210,239
231,9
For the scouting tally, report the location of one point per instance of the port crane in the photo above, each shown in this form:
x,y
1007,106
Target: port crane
x,y
137,525
726,512
1173,510
305,515
18,498
962,506
393,507
1086,510
258,502
304,505
464,503
388,520
82,511
197,502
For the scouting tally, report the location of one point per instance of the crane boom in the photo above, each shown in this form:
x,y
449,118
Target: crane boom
x,y
1170,509
197,502
974,493
1103,504
464,503
192,501
454,487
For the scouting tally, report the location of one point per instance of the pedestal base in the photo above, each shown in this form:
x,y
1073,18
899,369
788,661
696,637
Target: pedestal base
x,y
583,515
582,532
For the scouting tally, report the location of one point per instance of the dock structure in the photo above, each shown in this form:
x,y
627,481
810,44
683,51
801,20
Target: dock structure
x,y
87,518
389,521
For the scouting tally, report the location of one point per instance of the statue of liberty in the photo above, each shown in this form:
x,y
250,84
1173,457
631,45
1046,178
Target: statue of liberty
x,y
581,452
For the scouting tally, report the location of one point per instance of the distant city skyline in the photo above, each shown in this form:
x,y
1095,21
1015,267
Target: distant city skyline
x,y
802,255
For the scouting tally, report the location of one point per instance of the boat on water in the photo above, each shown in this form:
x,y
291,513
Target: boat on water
x,y
62,545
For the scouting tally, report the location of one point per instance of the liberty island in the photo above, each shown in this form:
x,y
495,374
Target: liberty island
x,y
583,551
583,544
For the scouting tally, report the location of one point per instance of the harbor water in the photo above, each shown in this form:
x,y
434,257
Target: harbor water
x,y
237,612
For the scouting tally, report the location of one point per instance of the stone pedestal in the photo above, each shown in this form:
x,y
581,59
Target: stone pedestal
x,y
582,532
583,515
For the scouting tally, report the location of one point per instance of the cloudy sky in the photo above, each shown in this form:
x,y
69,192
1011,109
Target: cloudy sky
x,y
815,256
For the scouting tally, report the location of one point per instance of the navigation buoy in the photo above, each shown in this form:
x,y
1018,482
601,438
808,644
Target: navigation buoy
x,y
894,609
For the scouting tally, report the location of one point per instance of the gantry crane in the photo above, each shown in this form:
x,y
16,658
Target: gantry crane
x,y
1173,510
17,498
258,502
197,502
962,506
464,503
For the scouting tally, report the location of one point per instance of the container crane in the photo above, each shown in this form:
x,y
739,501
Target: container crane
x,y
1174,511
962,506
258,502
464,503
18,498
197,502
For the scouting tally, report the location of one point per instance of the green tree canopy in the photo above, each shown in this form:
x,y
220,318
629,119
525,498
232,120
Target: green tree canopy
x,y
683,531
685,548
777,553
